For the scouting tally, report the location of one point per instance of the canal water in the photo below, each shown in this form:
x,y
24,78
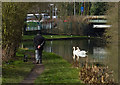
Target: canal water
x,y
95,47
97,50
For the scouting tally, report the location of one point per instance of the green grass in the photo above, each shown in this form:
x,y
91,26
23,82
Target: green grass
x,y
30,37
15,70
57,70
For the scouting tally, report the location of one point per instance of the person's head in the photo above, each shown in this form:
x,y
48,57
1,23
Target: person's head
x,y
39,33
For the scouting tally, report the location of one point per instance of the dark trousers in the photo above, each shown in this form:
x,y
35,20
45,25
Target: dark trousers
x,y
38,55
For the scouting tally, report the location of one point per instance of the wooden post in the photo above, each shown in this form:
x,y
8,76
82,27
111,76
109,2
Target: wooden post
x,y
86,62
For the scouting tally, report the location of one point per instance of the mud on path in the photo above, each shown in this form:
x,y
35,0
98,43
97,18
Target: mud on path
x,y
35,72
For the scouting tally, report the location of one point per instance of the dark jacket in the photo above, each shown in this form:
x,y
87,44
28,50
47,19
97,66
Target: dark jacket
x,y
39,40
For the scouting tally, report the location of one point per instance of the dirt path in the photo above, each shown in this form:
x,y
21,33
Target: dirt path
x,y
35,72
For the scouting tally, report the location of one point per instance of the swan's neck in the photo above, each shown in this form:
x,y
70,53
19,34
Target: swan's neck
x,y
73,49
78,49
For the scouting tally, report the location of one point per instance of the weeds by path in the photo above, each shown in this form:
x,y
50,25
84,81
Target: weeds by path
x,y
15,69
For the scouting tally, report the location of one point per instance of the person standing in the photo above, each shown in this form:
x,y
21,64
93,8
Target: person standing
x,y
39,42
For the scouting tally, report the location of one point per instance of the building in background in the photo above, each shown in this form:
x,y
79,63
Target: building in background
x,y
42,20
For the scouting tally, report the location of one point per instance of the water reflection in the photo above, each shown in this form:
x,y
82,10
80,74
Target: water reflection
x,y
96,50
95,47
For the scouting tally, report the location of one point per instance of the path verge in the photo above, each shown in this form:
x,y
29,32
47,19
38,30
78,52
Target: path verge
x,y
57,70
35,72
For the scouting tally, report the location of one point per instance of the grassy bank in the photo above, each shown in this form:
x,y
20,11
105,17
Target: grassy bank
x,y
15,69
30,37
57,70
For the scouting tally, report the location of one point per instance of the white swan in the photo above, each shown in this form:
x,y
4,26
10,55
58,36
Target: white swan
x,y
78,49
74,53
78,53
81,53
